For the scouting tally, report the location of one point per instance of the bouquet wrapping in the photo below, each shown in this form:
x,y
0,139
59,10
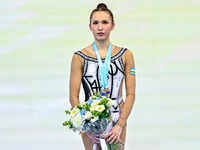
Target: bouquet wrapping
x,y
94,116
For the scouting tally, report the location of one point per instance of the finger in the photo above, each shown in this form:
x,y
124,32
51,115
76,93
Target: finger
x,y
107,135
113,139
110,138
94,136
97,135
117,140
95,141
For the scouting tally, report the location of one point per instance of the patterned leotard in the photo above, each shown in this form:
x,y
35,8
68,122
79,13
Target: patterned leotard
x,y
91,79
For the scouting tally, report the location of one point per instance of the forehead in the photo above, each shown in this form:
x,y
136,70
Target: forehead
x,y
101,15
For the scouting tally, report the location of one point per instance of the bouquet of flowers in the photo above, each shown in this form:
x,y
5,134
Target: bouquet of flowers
x,y
93,116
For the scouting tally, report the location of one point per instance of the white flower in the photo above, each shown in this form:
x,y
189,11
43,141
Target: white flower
x,y
81,104
93,97
87,115
110,102
77,120
74,112
94,104
100,108
96,101
103,97
94,119
92,107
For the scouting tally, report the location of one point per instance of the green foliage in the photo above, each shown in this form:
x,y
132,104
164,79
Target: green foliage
x,y
67,111
103,114
68,123
96,94
86,106
93,97
79,107
97,114
103,102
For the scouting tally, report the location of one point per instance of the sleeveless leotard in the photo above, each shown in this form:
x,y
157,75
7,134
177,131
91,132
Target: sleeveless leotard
x,y
85,69
91,79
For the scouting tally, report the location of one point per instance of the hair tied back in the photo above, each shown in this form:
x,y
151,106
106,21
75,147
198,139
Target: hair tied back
x,y
101,7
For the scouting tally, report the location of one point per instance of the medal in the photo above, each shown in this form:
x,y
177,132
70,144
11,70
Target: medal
x,y
103,68
105,92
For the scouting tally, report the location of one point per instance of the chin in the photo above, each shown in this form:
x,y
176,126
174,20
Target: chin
x,y
101,39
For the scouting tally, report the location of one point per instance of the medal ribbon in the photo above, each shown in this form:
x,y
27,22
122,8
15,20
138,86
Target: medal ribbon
x,y
103,67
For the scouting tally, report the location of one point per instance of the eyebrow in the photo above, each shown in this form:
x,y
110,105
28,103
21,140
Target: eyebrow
x,y
102,20
98,20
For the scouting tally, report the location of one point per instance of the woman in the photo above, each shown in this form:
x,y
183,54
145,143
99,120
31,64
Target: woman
x,y
86,67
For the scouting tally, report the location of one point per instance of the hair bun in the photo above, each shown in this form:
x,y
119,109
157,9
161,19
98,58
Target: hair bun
x,y
102,6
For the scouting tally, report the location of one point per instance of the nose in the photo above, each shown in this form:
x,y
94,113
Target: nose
x,y
100,26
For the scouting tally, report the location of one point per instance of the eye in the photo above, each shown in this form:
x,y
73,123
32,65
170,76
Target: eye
x,y
105,22
95,22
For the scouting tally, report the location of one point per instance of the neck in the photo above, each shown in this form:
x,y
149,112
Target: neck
x,y
102,45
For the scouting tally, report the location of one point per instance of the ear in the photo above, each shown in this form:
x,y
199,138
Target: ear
x,y
90,27
113,26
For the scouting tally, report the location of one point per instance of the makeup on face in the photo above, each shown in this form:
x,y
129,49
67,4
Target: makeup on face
x,y
101,25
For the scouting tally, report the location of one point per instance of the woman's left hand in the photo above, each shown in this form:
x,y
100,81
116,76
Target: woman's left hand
x,y
114,134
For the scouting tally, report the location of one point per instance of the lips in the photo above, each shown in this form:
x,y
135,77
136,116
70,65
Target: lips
x,y
100,33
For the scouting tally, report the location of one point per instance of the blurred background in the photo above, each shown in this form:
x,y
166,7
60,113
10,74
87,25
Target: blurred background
x,y
37,41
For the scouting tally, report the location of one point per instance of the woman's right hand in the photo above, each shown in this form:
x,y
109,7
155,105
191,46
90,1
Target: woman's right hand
x,y
93,137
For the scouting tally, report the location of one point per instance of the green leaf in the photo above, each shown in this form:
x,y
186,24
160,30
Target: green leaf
x,y
65,123
67,111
